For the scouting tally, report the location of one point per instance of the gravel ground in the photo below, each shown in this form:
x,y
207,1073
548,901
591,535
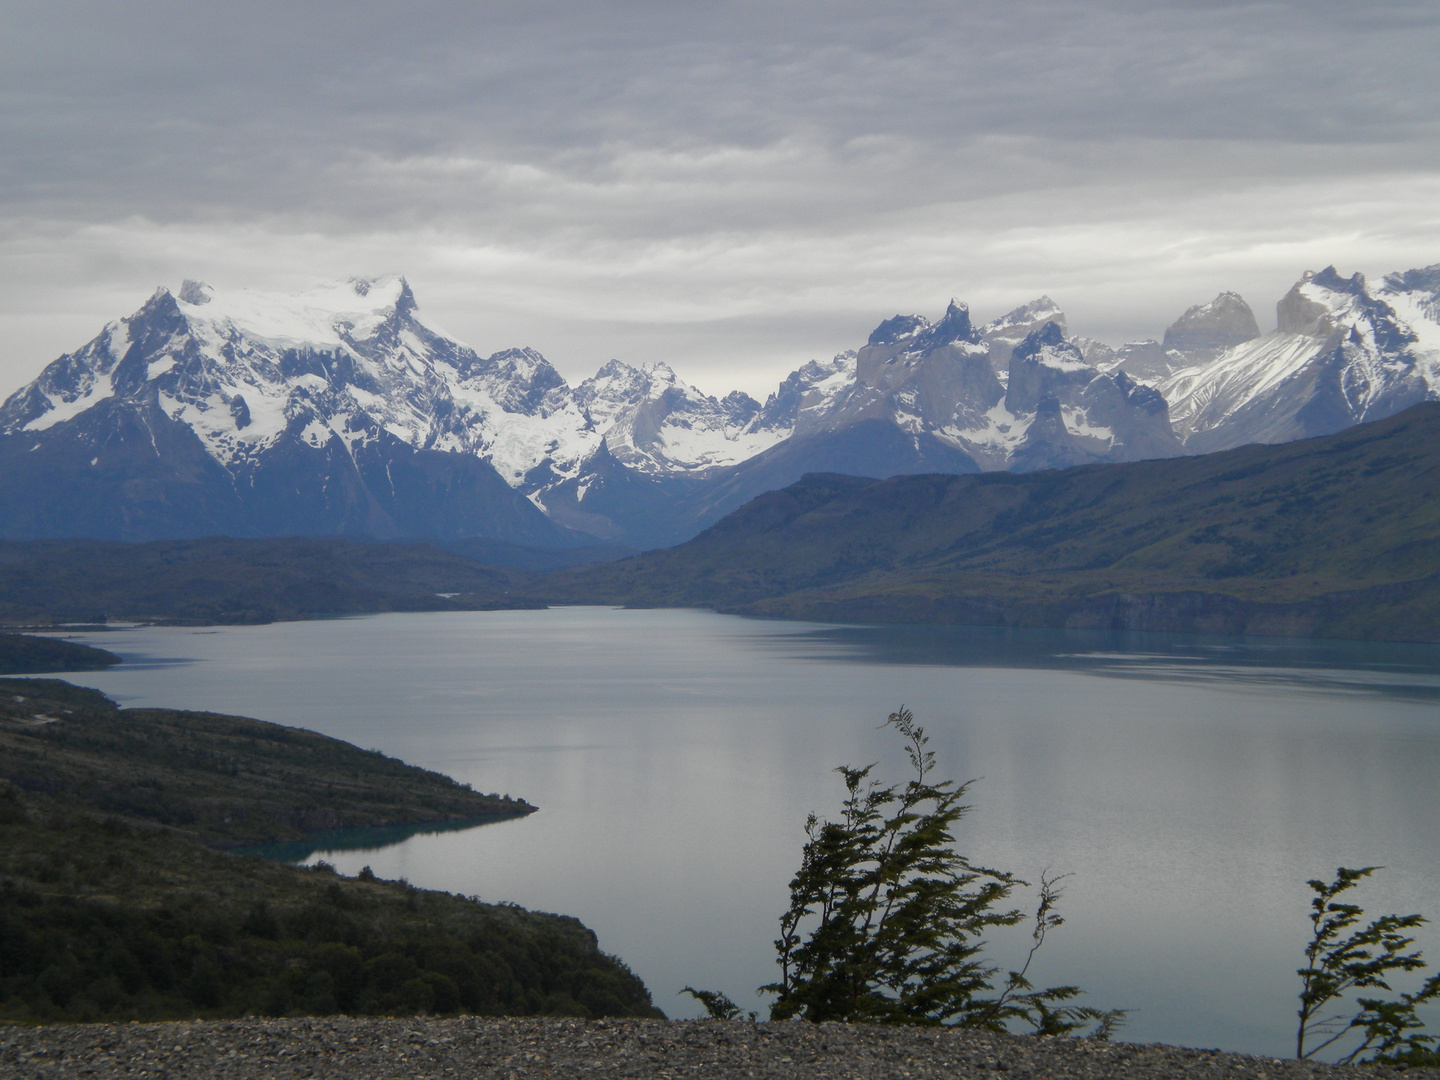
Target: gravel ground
x,y
546,1049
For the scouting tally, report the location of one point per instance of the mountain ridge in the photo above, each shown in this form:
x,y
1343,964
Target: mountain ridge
x,y
1332,536
344,411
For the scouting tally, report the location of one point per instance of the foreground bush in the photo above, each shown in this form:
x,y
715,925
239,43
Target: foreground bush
x,y
1341,960
887,919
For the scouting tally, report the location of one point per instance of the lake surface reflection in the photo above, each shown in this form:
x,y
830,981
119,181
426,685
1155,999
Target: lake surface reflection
x,y
1189,785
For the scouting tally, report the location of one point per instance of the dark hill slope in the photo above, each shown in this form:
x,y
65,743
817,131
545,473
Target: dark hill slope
x,y
866,448
1335,536
649,511
225,781
112,906
25,654
224,580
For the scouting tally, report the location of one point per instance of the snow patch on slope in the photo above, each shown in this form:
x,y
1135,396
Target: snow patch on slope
x,y
320,318
1204,396
61,410
1343,352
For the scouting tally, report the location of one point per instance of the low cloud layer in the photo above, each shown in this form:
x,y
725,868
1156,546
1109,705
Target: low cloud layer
x,y
728,187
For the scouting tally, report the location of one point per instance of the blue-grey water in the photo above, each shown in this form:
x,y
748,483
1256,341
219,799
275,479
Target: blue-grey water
x,y
1189,785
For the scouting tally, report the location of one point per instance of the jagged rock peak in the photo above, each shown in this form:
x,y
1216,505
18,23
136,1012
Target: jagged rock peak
x,y
739,407
1330,278
1223,323
954,326
897,329
405,302
1423,280
1004,335
1051,335
1138,394
1031,315
808,392
195,292
1320,303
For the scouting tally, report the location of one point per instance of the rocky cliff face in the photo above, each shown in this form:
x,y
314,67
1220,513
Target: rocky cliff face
x,y
1343,352
1207,330
1004,334
1077,415
941,380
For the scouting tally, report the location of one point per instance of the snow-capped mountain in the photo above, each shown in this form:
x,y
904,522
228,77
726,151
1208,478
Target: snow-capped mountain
x,y
807,396
355,357
343,409
347,376
653,421
1004,335
1198,337
942,379
253,414
1207,330
1342,353
917,397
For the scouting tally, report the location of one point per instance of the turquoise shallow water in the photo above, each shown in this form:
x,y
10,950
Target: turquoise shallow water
x,y
1189,785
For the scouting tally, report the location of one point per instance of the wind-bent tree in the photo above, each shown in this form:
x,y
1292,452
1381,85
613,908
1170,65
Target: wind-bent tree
x,y
1339,961
718,1006
887,920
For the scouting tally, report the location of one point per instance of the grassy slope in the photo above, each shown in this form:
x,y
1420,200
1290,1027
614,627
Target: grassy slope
x,y
1337,535
21,654
225,781
222,580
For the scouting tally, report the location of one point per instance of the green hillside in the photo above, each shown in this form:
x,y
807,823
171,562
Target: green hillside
x,y
1335,536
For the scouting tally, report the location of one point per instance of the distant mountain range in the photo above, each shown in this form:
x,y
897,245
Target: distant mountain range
x,y
1333,536
343,411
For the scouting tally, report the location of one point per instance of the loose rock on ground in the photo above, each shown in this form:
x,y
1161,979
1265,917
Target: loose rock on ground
x,y
542,1049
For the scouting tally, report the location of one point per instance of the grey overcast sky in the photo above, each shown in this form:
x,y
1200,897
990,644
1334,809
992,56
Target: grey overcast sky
x,y
732,187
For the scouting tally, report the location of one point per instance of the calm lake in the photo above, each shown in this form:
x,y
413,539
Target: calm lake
x,y
1190,785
